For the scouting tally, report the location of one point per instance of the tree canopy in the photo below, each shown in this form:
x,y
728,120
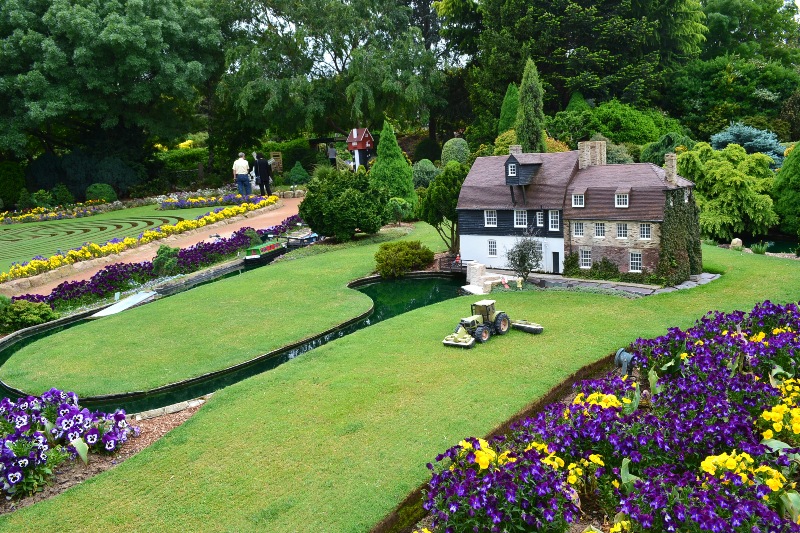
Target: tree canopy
x,y
391,171
529,126
439,204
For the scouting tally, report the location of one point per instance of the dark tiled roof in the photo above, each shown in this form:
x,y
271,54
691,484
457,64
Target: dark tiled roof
x,y
633,175
528,159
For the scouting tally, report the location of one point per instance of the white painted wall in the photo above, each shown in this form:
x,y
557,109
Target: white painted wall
x,y
476,248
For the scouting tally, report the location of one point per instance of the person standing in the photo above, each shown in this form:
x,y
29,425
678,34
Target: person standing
x,y
241,175
332,154
263,174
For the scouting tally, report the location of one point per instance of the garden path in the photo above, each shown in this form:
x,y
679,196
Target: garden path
x,y
288,207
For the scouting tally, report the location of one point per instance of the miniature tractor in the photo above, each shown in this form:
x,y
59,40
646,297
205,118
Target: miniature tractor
x,y
483,323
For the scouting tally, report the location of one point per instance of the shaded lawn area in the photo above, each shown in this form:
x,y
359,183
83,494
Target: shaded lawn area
x,y
333,440
22,242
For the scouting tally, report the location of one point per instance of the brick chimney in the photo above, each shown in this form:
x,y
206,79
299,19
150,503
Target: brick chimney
x,y
671,168
515,149
591,153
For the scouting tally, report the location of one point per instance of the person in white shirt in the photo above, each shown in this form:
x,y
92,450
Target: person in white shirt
x,y
241,175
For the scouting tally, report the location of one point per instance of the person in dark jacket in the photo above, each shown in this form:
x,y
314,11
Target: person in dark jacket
x,y
263,174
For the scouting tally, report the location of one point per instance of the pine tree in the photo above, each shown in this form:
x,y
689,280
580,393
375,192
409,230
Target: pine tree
x,y
391,171
508,111
530,116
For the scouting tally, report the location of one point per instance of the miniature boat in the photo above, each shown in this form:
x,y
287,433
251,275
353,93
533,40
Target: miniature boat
x,y
527,327
300,238
264,252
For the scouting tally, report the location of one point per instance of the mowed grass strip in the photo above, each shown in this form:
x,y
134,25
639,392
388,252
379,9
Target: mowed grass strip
x,y
332,441
22,242
208,328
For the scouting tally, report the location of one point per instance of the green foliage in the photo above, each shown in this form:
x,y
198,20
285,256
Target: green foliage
x,y
790,113
456,149
572,127
577,103
62,196
429,149
605,269
732,190
752,140
759,248
680,252
298,174
508,111
423,173
623,123
21,314
24,201
504,141
441,199
42,198
654,152
398,210
615,153
391,171
165,263
396,259
787,193
296,150
101,191
115,172
338,203
12,181
529,124
525,256
254,236
482,151
182,159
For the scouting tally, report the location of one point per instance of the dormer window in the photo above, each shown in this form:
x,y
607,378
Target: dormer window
x,y
577,200
512,169
621,200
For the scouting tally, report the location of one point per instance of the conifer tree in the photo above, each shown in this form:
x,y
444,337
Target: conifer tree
x,y
530,116
508,111
391,172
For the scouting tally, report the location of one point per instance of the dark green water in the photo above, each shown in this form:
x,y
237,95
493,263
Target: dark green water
x,y
390,298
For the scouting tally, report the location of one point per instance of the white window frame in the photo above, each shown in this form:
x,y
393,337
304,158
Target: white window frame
x,y
599,234
631,261
645,231
577,200
520,218
686,196
578,229
554,220
512,169
490,218
492,248
540,219
621,200
622,230
585,258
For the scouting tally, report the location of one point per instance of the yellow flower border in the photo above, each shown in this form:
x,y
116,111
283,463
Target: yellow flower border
x,y
92,250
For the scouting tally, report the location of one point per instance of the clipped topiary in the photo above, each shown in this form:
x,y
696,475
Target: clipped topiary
x,y
165,263
396,259
504,141
508,110
424,172
298,174
21,314
456,149
101,191
62,196
391,171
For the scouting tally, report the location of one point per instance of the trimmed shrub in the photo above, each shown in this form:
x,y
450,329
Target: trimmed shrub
x,y
615,153
504,141
752,140
427,149
654,152
165,263
298,174
101,191
42,198
21,314
62,196
396,259
456,149
182,159
398,209
508,110
423,173
391,171
24,201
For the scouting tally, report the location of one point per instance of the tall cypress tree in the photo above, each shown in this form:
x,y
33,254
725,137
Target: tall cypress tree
x,y
530,116
391,171
508,111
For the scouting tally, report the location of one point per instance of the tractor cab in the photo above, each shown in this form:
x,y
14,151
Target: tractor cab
x,y
485,310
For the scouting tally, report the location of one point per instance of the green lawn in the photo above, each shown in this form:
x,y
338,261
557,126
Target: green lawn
x,y
333,440
22,242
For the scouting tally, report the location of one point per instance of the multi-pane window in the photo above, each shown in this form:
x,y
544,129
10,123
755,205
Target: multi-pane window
x,y
490,218
636,262
620,200
578,229
540,218
577,200
520,219
644,231
555,221
585,257
622,231
492,248
599,229
512,169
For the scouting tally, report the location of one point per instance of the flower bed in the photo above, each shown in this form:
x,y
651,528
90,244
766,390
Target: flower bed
x,y
124,276
212,201
38,214
39,264
38,433
708,443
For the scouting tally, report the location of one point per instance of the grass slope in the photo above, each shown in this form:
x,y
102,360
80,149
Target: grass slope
x,y
335,439
22,242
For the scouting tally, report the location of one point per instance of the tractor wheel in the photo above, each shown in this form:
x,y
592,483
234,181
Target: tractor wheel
x,y
502,324
482,333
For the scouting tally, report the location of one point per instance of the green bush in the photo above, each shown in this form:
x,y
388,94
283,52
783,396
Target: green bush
x,y
391,171
253,235
504,141
294,151
423,173
398,209
12,181
298,174
42,198
24,201
182,159
21,314
62,196
101,191
456,149
165,263
396,259
115,172
427,148
759,248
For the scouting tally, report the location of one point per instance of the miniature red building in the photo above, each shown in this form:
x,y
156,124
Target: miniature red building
x,y
361,144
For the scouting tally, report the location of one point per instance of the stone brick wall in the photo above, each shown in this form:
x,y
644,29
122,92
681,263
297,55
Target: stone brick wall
x,y
616,249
